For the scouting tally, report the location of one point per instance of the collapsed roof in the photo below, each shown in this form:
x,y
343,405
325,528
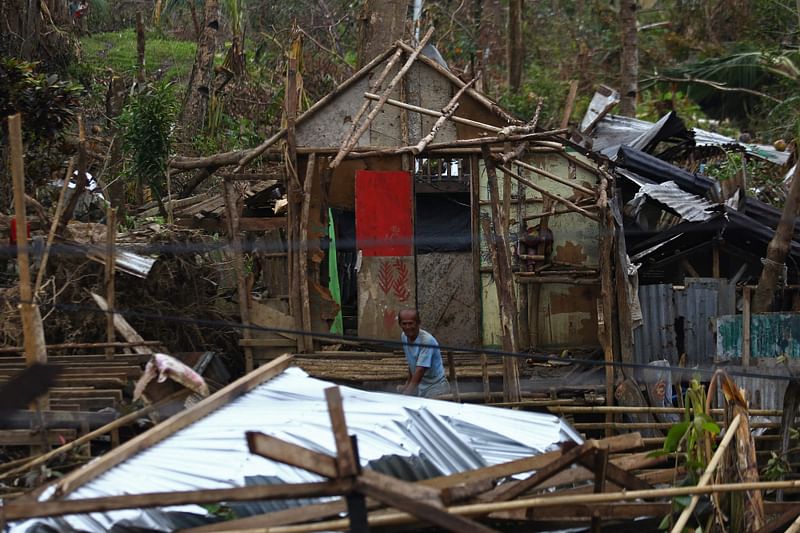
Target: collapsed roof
x,y
408,437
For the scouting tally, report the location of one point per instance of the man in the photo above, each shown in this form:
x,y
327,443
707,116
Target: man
x,y
426,375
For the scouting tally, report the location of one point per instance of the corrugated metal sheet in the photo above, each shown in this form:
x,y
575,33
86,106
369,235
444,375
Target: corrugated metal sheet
x,y
761,393
212,452
655,338
689,206
684,318
772,335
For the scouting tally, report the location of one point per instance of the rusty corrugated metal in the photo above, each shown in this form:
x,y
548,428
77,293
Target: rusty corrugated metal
x,y
655,338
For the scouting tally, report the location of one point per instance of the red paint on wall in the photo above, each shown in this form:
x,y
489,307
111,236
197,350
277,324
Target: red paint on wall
x,y
384,219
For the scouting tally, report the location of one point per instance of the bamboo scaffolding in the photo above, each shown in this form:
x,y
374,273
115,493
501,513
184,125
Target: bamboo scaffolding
x,y
352,140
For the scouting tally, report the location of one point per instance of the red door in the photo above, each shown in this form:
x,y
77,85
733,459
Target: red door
x,y
385,240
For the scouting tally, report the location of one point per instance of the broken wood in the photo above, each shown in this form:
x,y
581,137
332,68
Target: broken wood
x,y
351,141
573,91
291,454
138,344
447,113
345,458
504,282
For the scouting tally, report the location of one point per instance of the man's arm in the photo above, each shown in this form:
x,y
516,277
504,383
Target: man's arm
x,y
413,383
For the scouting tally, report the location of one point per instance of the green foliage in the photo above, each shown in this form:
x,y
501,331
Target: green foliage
x,y
538,84
47,103
117,51
147,124
656,103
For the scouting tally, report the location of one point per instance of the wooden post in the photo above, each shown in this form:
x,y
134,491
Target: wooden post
x,y
600,471
451,366
487,387
294,190
746,327
573,91
111,236
232,212
81,182
504,282
32,329
307,339
606,315
140,61
715,260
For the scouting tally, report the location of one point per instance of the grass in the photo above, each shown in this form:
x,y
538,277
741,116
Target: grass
x,y
117,51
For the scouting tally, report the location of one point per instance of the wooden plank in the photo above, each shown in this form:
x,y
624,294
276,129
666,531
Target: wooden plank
x,y
18,510
156,434
80,346
267,343
291,454
345,456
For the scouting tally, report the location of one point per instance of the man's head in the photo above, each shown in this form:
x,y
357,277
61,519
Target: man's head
x,y
409,322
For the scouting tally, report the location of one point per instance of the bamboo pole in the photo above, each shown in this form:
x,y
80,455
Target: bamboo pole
x,y
32,329
53,227
555,178
432,113
111,236
447,113
399,518
350,142
706,477
545,192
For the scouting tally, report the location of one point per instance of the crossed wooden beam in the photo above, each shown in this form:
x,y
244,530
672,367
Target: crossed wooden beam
x,y
422,502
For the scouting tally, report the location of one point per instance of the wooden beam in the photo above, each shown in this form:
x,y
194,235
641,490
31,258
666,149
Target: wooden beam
x,y
291,454
564,181
75,479
345,456
19,510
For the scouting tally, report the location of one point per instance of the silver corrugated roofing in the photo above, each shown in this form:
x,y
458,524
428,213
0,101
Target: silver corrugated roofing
x,y
212,453
689,206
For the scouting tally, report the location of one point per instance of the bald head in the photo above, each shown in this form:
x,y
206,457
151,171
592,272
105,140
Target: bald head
x,y
408,319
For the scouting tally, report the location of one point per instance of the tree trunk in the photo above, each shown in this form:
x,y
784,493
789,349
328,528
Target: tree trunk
x,y
195,106
514,48
778,249
629,73
382,23
28,33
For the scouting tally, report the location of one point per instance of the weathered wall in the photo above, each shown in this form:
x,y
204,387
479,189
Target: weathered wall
x,y
566,314
446,299
423,87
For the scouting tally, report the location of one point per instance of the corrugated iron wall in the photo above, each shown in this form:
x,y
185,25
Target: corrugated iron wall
x,y
681,319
